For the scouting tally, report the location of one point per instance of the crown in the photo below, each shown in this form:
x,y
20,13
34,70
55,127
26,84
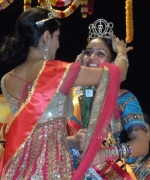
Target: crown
x,y
50,14
100,28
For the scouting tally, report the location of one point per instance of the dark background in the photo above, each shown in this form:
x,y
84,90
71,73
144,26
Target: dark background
x,y
74,32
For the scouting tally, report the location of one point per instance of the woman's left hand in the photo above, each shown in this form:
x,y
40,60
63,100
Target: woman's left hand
x,y
119,45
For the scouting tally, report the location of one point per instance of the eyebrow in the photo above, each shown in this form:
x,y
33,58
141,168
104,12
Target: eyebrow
x,y
97,49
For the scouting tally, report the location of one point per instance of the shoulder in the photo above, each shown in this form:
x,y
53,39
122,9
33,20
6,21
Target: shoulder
x,y
122,91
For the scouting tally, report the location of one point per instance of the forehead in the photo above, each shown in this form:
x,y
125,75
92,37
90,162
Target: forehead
x,y
96,43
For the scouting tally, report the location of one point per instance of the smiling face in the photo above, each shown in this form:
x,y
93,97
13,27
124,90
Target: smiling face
x,y
96,53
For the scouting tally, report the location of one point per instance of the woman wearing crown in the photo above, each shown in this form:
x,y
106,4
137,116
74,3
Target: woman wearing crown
x,y
127,117
37,91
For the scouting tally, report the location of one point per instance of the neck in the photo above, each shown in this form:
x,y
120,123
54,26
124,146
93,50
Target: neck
x,y
34,55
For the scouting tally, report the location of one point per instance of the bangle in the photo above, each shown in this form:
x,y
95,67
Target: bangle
x,y
124,150
111,153
122,53
122,58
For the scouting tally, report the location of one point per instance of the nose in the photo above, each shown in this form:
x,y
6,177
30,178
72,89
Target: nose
x,y
93,56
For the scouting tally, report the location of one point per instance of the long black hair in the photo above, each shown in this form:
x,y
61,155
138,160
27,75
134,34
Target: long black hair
x,y
26,34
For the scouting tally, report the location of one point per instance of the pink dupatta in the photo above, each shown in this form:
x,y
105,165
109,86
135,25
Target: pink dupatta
x,y
104,118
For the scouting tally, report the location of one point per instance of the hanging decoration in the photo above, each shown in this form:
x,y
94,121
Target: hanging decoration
x,y
62,14
27,4
129,21
86,6
90,7
5,3
60,3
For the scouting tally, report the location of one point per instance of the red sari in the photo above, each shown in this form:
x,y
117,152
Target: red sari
x,y
37,125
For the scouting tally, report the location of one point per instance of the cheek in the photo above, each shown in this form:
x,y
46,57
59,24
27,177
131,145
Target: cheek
x,y
102,59
85,60
148,135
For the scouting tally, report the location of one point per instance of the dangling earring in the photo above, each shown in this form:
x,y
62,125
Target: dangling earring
x,y
45,53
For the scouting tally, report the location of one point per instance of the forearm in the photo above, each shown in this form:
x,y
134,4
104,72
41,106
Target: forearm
x,y
70,141
73,142
139,144
122,62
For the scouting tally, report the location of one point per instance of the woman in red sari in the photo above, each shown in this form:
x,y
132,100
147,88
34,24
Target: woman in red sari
x,y
37,91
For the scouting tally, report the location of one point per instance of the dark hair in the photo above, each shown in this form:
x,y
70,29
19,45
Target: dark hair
x,y
108,43
27,34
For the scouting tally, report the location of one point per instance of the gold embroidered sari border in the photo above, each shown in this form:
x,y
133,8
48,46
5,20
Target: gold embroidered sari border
x,y
27,100
97,106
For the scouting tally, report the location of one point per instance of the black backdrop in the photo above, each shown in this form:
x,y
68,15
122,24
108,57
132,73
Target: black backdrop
x,y
74,31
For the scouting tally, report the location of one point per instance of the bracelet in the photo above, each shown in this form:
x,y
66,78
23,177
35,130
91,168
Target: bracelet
x,y
124,150
122,58
111,153
121,53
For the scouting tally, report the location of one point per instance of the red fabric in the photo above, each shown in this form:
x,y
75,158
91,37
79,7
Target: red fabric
x,y
1,166
72,127
112,165
103,121
26,120
70,78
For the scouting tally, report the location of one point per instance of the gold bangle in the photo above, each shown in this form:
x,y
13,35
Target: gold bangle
x,y
122,58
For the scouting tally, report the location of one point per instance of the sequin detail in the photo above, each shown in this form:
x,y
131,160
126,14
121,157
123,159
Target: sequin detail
x,y
43,156
13,102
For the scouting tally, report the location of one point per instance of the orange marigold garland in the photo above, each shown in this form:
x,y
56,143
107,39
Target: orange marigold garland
x,y
5,3
27,4
129,21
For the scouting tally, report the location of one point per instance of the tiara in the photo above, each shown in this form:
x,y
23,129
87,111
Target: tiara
x,y
100,28
50,14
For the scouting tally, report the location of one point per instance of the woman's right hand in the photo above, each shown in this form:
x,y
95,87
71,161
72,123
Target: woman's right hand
x,y
80,57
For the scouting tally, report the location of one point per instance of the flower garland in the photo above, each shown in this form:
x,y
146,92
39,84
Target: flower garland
x,y
129,21
60,3
65,13
27,4
84,8
57,3
5,3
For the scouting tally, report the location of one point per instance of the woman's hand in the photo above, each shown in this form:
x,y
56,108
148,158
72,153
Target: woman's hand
x,y
78,140
80,57
119,45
